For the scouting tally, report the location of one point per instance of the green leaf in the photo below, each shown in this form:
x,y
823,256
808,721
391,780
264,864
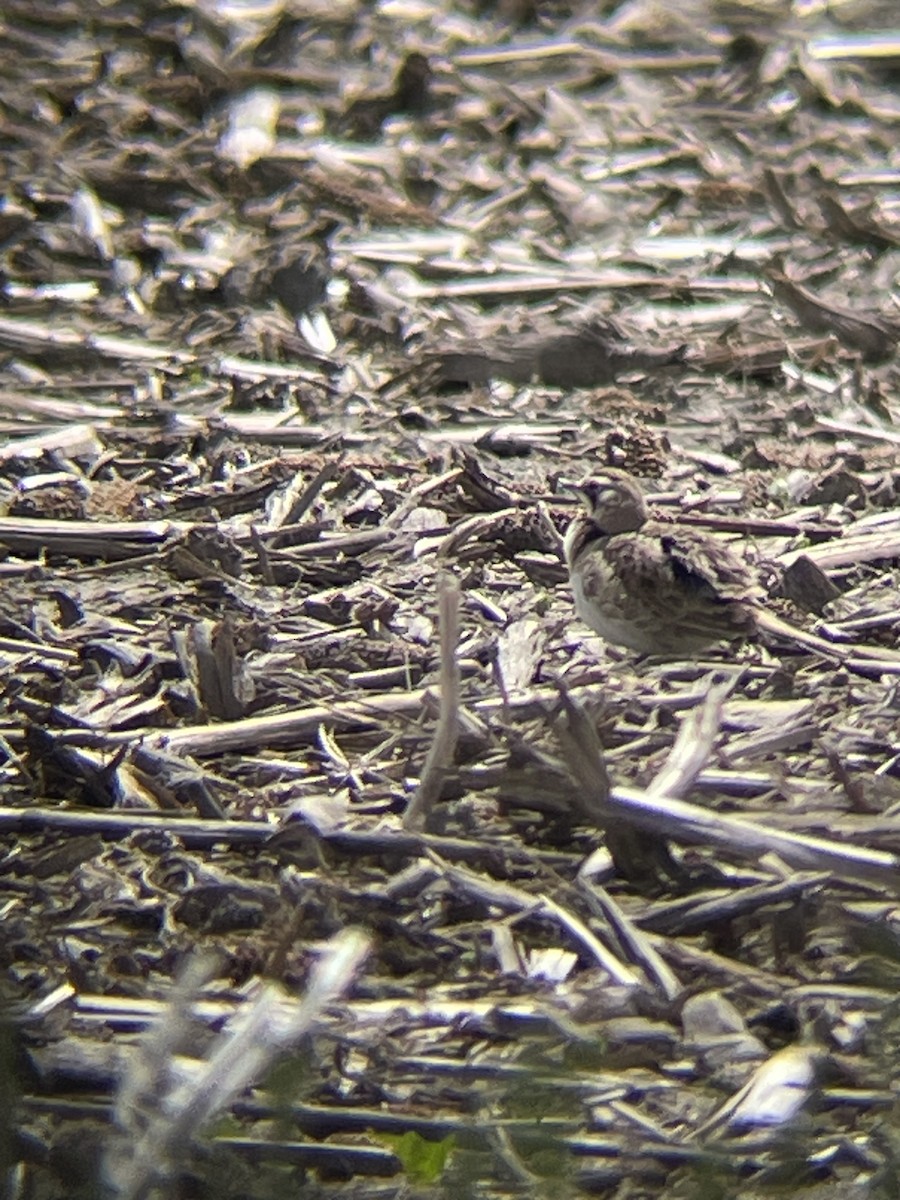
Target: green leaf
x,y
423,1161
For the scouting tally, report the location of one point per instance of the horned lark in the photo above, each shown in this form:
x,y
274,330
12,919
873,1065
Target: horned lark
x,y
655,588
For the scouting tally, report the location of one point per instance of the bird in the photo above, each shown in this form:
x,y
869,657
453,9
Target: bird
x,y
667,590
649,586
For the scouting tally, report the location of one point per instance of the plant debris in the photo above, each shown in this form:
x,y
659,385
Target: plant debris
x,y
336,853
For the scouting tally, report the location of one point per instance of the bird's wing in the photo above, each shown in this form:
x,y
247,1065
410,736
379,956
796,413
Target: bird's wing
x,y
707,567
683,578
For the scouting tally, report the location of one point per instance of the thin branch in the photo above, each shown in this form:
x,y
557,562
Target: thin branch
x,y
443,745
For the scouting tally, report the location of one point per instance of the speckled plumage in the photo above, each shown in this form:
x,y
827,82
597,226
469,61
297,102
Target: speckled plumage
x,y
655,588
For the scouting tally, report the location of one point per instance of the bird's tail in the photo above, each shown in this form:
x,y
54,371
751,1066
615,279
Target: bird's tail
x,y
767,622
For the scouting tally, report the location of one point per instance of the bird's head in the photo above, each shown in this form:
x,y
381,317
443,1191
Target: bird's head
x,y
613,500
